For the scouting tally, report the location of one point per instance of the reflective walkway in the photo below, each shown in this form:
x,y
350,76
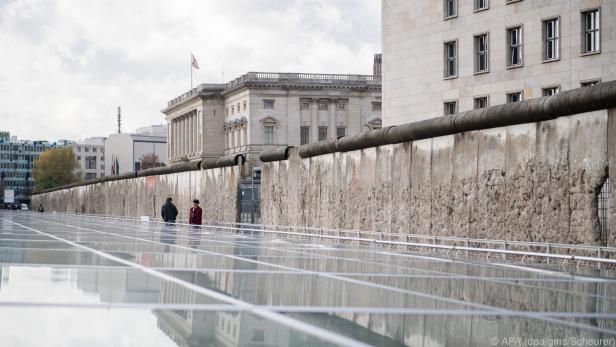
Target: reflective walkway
x,y
78,281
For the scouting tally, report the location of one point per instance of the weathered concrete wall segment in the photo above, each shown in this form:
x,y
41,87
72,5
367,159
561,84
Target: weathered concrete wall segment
x,y
535,182
144,196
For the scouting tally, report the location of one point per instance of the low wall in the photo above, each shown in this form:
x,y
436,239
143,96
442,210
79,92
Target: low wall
x,y
217,189
537,182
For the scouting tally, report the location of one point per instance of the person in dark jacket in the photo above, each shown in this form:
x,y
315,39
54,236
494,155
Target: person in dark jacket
x,y
168,211
40,208
195,214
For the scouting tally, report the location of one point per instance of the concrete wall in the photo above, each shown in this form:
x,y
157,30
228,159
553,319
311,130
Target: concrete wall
x,y
535,182
217,189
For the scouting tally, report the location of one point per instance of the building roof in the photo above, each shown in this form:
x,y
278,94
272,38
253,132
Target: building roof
x,y
280,80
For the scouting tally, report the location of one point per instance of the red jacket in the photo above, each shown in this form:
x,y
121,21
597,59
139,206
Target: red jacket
x,y
194,216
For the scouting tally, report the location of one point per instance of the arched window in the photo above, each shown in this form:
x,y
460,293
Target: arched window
x,y
375,123
269,130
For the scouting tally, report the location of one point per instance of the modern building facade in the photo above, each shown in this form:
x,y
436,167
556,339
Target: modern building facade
x,y
16,164
260,111
153,130
90,154
447,56
133,152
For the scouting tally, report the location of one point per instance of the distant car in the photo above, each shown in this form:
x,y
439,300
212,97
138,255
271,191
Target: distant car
x,y
14,207
24,207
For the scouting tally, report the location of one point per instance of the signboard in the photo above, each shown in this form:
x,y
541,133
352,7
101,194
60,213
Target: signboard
x,y
9,196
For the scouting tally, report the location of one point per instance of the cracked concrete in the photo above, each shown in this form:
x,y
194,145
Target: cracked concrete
x,y
535,182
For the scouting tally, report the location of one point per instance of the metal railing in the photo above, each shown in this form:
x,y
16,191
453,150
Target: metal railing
x,y
543,251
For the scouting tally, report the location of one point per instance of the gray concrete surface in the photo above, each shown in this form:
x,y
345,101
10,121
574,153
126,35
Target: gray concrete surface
x,y
144,196
535,182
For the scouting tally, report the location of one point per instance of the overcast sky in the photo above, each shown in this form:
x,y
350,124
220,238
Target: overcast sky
x,y
65,65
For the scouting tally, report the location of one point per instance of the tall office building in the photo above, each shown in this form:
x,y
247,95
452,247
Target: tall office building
x,y
16,163
441,57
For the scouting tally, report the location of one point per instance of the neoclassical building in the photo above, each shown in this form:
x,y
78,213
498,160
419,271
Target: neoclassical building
x,y
260,111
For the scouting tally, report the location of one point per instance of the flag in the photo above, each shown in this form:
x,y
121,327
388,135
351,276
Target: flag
x,y
113,165
194,61
117,166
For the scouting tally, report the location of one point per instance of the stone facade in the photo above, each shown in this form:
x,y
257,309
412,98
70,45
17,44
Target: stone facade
x,y
90,155
533,182
414,35
260,111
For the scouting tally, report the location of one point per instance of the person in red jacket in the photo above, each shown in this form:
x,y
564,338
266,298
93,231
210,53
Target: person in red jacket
x,y
195,214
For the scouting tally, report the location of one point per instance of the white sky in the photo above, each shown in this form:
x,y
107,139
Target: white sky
x,y
65,65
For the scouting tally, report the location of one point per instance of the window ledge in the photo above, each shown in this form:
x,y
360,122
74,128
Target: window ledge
x,y
450,77
450,17
550,60
481,72
585,54
481,9
511,67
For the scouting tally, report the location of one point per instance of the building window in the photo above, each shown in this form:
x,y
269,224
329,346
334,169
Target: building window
x,y
304,135
86,149
481,5
450,8
340,131
268,104
323,105
551,39
450,107
94,149
322,133
245,105
376,106
480,102
514,97
268,134
238,107
91,163
481,53
591,40
589,83
227,111
304,104
514,47
232,110
78,157
341,105
78,149
451,58
549,91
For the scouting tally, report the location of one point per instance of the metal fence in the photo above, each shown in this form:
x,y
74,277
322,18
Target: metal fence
x,y
604,197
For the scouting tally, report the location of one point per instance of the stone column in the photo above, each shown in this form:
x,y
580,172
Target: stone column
x,y
332,119
195,136
191,139
183,136
314,126
169,143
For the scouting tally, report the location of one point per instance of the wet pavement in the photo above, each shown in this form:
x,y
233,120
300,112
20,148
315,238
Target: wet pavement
x,y
84,281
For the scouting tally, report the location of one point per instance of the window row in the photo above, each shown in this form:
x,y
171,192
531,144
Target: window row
x,y
304,104
450,107
236,108
590,44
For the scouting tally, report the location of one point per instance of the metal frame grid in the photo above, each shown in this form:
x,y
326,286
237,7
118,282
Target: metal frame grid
x,y
234,285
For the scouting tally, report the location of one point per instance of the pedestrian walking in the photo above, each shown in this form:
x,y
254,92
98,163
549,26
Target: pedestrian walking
x,y
40,208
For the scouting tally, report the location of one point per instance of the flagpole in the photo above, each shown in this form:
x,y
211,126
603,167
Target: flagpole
x,y
191,68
